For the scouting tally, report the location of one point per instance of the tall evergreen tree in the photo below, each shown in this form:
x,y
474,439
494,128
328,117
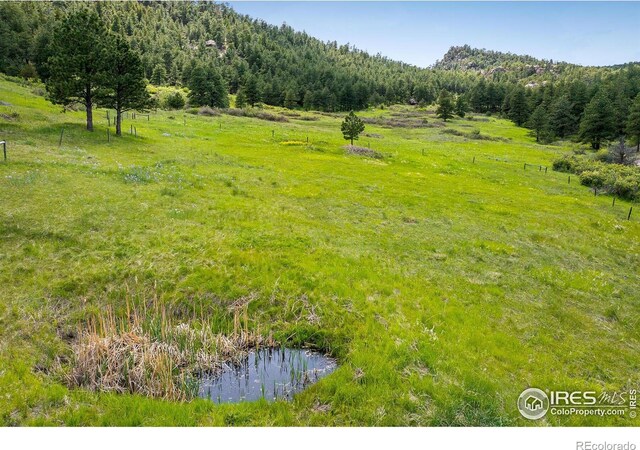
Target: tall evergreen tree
x,y
77,62
14,34
479,96
621,103
518,107
562,120
633,122
159,75
461,106
251,91
241,99
539,122
598,123
124,82
291,99
207,87
445,106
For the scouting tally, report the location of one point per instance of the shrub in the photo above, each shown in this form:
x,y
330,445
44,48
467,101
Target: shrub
x,y
174,101
602,155
626,188
595,179
617,179
563,164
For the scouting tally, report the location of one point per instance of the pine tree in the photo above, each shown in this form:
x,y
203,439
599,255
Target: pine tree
x,y
562,120
207,87
241,99
251,91
633,122
539,122
77,61
352,127
159,75
124,83
479,97
309,101
461,106
14,33
518,107
598,123
445,106
621,105
291,99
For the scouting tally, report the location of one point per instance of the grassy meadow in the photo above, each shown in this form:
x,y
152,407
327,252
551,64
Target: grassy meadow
x,y
443,286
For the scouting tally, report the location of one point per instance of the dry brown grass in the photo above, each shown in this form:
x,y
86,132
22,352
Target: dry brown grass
x,y
154,357
363,151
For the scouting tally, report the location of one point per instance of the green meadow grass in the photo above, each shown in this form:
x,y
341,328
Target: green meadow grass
x,y
448,286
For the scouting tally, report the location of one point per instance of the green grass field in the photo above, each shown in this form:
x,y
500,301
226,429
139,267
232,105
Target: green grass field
x,y
447,286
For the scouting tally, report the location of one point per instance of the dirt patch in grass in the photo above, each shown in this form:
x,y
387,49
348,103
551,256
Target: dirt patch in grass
x,y
362,151
400,122
256,114
208,111
474,134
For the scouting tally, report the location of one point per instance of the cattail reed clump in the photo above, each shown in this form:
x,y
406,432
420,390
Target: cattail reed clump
x,y
154,357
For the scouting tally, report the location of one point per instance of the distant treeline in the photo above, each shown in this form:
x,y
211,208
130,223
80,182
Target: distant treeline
x,y
209,46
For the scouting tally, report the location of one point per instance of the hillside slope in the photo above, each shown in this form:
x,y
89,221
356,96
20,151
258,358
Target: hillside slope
x,y
443,276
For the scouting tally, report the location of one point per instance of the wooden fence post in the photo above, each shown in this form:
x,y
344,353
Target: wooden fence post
x,y
61,134
4,149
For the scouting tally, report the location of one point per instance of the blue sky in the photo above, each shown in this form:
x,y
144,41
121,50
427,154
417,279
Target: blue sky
x,y
588,33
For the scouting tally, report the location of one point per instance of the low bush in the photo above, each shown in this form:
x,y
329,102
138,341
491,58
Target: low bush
x,y
174,100
616,179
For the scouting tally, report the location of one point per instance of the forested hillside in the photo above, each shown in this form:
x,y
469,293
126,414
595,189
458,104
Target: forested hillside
x,y
208,45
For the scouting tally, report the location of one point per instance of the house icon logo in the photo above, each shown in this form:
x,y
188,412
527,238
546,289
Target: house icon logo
x,y
533,403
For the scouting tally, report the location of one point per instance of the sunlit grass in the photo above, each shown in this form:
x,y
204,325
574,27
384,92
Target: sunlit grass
x,y
444,285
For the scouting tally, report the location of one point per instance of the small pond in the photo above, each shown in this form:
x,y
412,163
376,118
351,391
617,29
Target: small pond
x,y
272,374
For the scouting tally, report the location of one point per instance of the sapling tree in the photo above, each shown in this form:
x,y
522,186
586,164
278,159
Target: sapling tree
x,y
351,127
